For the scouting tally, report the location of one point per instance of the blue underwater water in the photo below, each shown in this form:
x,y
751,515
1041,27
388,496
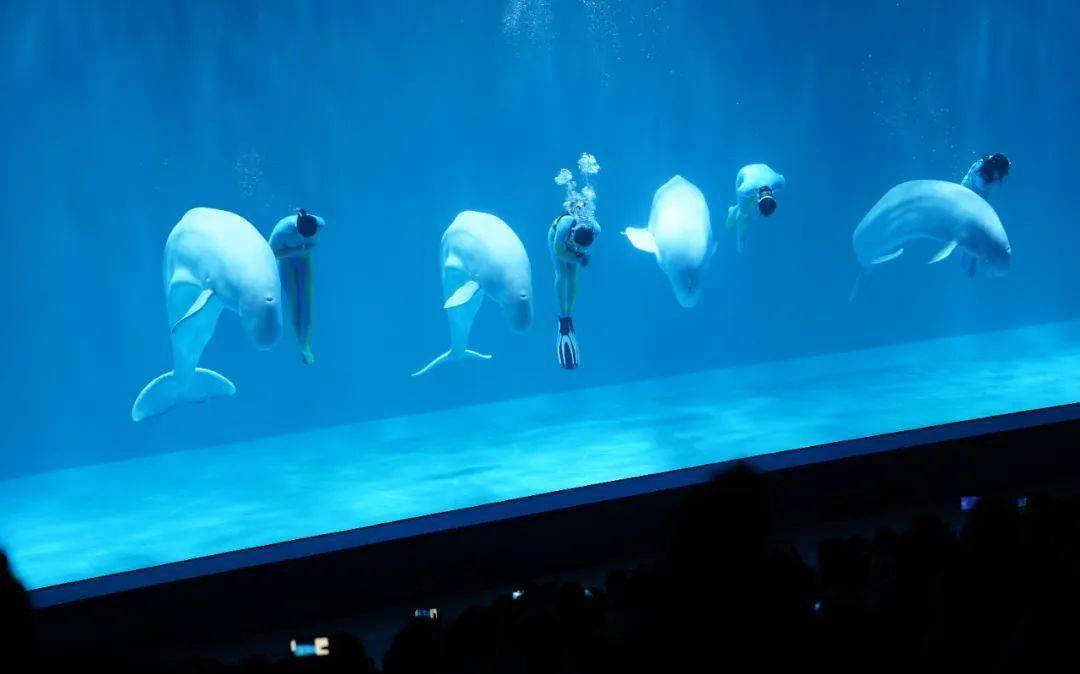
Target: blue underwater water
x,y
387,119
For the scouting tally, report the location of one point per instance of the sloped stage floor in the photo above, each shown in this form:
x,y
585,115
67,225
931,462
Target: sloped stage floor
x,y
91,521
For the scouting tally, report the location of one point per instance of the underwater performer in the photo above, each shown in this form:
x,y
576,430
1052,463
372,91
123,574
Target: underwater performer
x,y
570,240
945,212
680,236
480,255
756,186
987,172
214,260
292,240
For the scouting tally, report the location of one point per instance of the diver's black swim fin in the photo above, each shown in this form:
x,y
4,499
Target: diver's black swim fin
x,y
566,345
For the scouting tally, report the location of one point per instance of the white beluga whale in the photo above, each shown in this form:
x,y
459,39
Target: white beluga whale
x,y
756,186
481,256
950,214
680,236
214,260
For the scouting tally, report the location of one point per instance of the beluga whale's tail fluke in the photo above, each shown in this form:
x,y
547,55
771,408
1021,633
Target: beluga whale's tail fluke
x,y
468,354
163,392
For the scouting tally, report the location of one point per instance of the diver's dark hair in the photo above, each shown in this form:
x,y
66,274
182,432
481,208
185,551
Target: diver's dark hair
x,y
994,167
306,224
584,236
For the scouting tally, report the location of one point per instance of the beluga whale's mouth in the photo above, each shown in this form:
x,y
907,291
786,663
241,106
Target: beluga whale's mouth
x,y
766,202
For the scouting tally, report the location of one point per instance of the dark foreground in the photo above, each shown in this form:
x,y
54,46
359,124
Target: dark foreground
x,y
994,589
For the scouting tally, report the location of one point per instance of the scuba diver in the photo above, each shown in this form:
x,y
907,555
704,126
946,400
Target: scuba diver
x,y
570,240
755,197
292,240
985,173
982,177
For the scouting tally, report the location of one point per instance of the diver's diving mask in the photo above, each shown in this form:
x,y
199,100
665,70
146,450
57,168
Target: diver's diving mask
x,y
766,202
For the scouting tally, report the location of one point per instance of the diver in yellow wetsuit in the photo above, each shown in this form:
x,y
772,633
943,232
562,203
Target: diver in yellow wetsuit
x,y
569,240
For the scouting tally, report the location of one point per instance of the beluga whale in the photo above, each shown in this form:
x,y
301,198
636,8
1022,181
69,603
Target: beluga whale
x,y
756,187
952,215
680,235
214,260
481,256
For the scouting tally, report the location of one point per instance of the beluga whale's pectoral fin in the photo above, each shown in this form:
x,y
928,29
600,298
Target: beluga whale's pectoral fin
x,y
732,216
642,239
943,253
462,295
195,307
890,256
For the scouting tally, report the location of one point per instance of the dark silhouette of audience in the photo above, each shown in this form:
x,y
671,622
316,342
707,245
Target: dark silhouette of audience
x,y
16,621
999,592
